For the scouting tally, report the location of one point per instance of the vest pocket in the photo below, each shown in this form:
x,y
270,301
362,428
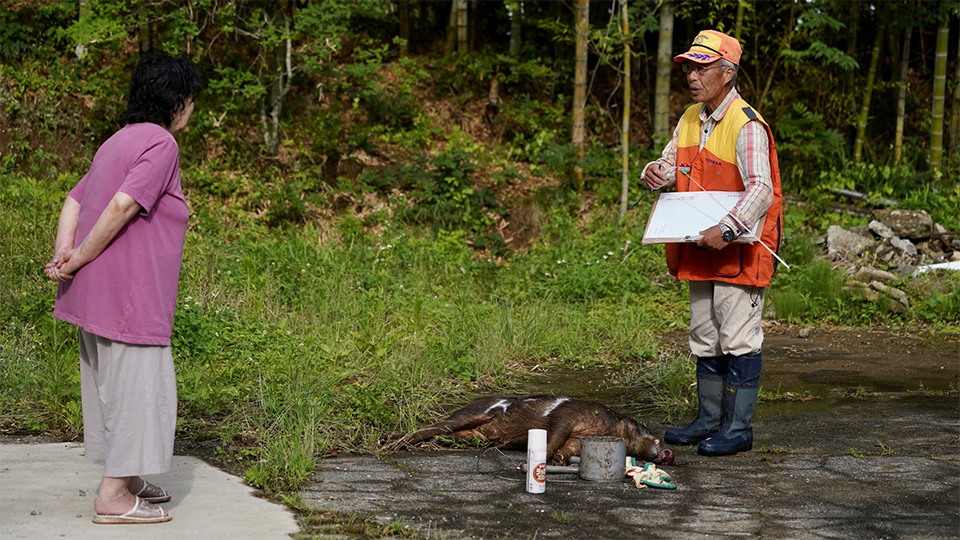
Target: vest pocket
x,y
728,262
673,257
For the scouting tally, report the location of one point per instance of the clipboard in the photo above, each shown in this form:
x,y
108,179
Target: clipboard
x,y
679,217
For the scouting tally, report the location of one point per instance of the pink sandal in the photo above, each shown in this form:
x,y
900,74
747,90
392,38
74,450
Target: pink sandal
x,y
142,512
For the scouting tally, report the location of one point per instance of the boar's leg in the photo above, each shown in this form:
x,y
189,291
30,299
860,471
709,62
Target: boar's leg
x,y
569,449
560,446
461,423
447,427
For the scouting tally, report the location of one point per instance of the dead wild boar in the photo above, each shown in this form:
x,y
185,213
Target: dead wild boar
x,y
504,421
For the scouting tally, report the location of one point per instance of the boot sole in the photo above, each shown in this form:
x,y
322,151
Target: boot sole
x,y
686,442
713,453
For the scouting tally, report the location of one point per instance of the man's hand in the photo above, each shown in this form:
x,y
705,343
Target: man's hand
x,y
654,177
712,239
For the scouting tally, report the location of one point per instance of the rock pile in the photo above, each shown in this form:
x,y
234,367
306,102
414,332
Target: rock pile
x,y
891,247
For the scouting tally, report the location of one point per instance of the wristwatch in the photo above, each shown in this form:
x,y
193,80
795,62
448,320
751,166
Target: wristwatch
x,y
728,234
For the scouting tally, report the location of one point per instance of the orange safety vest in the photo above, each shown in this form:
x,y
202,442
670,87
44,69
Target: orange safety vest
x,y
715,168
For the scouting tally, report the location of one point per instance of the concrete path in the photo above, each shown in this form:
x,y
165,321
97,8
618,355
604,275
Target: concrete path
x,y
47,491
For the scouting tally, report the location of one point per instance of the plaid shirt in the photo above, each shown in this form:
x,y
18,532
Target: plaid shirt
x,y
753,160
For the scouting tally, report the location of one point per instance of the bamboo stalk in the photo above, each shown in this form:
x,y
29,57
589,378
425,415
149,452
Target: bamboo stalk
x,y
902,102
868,90
661,115
939,93
625,135
580,86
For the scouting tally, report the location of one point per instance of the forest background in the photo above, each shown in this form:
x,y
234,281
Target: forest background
x,y
400,204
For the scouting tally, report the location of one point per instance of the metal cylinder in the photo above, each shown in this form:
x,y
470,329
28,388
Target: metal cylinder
x,y
603,459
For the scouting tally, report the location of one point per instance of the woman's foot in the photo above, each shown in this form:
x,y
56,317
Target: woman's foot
x,y
113,496
142,512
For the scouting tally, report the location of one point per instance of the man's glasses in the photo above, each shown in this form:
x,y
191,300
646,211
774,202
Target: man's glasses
x,y
698,68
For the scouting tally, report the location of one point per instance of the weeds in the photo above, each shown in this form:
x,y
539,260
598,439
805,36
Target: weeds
x,y
330,524
669,382
857,393
778,395
562,517
885,451
953,389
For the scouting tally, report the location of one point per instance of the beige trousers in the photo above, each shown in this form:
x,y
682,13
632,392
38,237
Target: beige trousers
x,y
725,318
129,396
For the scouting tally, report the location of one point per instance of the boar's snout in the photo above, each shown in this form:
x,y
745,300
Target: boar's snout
x,y
664,457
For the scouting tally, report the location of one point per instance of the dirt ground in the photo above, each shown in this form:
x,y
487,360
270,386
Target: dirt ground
x,y
876,359
876,454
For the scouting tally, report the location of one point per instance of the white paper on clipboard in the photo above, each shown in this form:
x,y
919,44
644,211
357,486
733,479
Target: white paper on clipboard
x,y
679,217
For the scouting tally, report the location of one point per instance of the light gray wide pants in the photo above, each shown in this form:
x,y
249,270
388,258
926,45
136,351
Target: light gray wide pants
x,y
129,396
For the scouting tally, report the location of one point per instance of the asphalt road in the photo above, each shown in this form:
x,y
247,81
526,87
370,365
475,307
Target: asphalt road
x,y
885,468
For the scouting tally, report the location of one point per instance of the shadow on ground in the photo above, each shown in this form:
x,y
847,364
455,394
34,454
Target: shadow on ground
x,y
877,456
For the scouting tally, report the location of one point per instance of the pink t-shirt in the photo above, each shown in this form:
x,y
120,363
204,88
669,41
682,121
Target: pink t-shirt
x,y
129,292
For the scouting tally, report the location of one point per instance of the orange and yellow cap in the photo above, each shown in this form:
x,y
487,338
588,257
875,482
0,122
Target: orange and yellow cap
x,y
710,46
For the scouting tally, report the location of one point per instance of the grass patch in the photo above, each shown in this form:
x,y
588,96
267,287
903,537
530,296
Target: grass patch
x,y
779,395
561,517
331,524
884,451
857,393
668,381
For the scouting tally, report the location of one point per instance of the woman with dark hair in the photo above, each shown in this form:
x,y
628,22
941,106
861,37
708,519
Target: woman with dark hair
x,y
117,261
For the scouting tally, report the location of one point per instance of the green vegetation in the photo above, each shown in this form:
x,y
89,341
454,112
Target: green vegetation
x,y
771,456
561,517
296,348
394,244
884,451
327,524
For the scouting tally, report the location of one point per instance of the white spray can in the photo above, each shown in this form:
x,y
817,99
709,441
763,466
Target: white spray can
x,y
536,460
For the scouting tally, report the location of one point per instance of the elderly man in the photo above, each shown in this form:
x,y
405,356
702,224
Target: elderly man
x,y
722,144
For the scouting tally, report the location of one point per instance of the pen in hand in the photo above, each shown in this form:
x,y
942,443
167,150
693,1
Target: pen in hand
x,y
659,166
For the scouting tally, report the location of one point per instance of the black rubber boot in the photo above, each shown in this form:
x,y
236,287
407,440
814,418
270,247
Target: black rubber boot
x,y
739,402
711,372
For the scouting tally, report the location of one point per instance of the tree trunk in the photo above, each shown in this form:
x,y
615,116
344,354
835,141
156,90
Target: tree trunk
x,y
143,29
625,136
404,6
868,89
939,94
462,43
737,31
853,24
81,49
580,87
776,62
280,73
901,103
955,111
472,45
450,44
516,20
661,108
